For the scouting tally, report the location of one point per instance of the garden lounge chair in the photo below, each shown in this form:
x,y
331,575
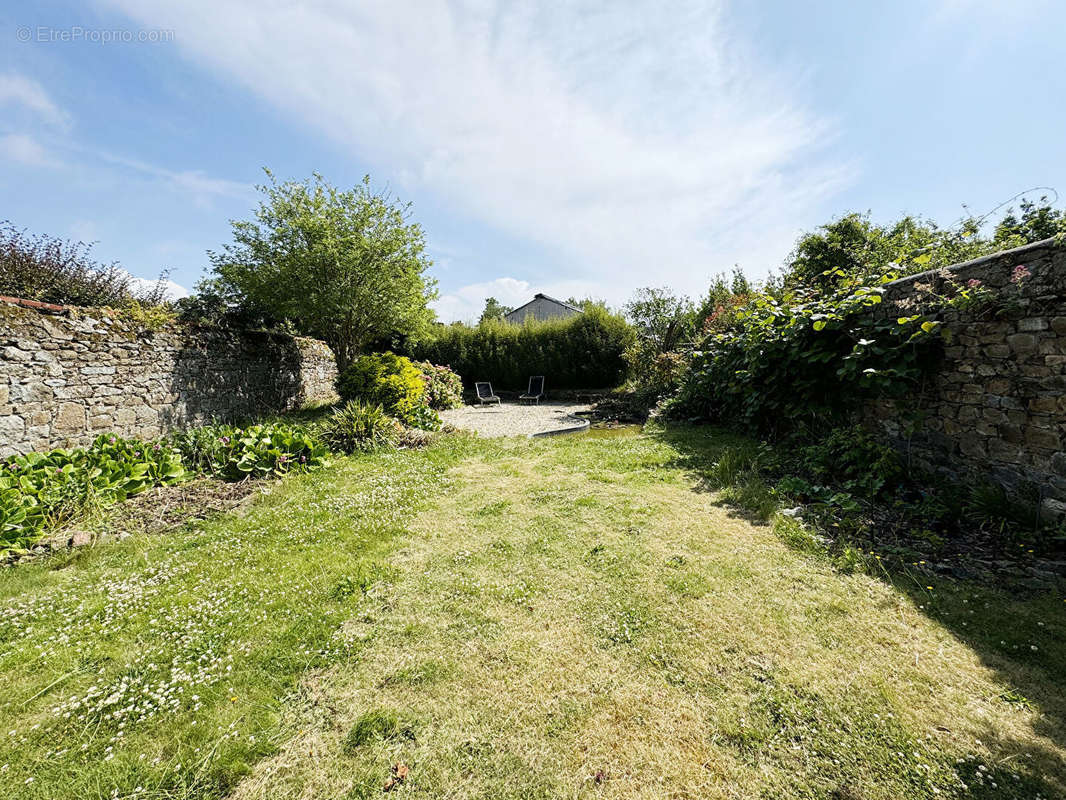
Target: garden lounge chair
x,y
484,393
535,391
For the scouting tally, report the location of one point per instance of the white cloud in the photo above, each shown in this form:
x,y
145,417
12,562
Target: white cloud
x,y
201,186
23,149
638,143
171,290
467,302
20,90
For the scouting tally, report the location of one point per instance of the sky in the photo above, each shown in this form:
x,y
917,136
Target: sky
x,y
579,149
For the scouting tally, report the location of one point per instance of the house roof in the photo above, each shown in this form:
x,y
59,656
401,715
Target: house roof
x,y
542,296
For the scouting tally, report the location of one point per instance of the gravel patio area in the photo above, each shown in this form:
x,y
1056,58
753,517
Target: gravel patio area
x,y
511,419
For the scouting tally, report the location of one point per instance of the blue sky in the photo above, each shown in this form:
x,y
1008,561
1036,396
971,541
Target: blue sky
x,y
580,151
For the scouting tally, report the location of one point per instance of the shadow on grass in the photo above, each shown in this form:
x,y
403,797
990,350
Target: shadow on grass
x,y
1018,632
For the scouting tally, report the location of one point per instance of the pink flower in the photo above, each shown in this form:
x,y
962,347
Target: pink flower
x,y
973,283
1021,272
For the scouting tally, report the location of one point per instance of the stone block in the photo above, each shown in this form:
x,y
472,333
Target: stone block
x,y
12,427
146,415
69,417
1042,438
1022,343
994,415
997,351
1058,324
1033,324
1012,433
125,417
14,354
1052,510
1044,405
998,386
1004,452
1058,463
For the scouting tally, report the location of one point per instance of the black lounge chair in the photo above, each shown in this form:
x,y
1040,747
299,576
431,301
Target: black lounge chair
x,y
484,393
535,391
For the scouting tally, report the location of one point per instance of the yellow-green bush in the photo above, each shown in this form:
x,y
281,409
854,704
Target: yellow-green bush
x,y
392,382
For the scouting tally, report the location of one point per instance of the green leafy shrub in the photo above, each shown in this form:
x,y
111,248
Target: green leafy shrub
x,y
444,387
255,451
392,382
807,362
582,352
851,459
358,427
42,490
658,376
53,270
421,416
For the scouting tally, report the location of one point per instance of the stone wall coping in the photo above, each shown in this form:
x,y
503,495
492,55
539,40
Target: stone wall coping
x,y
1011,254
36,305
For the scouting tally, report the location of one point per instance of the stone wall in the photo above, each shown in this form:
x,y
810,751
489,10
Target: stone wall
x,y
66,375
996,407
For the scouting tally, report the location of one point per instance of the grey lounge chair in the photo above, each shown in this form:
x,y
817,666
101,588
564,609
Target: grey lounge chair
x,y
484,393
535,391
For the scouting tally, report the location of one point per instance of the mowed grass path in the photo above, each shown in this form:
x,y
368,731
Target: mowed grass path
x,y
517,619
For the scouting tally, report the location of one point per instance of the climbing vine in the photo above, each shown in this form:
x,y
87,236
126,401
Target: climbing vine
x,y
805,361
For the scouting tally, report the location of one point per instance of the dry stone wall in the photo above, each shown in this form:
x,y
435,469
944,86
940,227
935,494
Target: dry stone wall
x,y
996,408
67,375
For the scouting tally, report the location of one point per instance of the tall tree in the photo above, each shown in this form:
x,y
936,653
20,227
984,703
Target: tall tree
x,y
494,309
347,266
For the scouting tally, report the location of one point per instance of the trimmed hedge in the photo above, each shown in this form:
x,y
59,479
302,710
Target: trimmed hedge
x,y
583,352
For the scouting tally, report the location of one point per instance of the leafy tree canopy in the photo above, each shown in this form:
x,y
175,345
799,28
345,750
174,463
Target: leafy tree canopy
x,y
347,266
855,247
660,318
494,309
1033,224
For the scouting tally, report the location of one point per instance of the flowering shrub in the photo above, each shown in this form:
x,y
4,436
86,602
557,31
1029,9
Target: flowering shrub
x,y
40,490
973,296
255,451
392,382
444,387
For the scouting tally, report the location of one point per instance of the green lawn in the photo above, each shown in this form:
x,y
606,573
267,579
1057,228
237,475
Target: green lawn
x,y
573,617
